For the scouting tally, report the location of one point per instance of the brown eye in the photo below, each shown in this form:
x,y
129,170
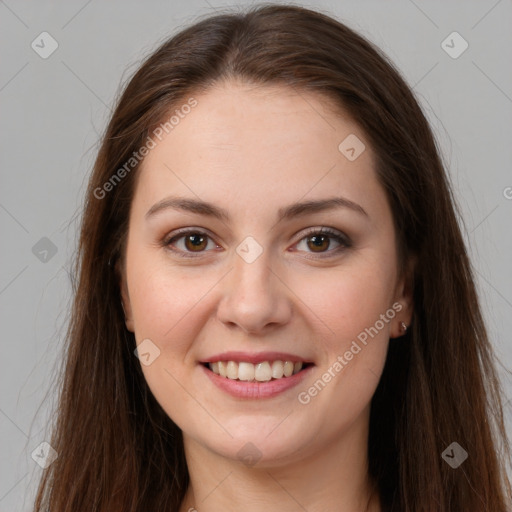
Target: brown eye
x,y
189,243
195,242
317,243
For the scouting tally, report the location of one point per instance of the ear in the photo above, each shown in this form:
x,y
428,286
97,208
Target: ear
x,y
404,293
120,271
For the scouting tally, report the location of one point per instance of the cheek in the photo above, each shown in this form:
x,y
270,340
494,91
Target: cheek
x,y
165,302
349,299
169,309
352,308
354,341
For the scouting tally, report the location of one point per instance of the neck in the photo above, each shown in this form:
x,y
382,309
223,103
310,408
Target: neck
x,y
334,478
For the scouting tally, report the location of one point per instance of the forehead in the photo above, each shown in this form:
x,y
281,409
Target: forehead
x,y
250,141
232,112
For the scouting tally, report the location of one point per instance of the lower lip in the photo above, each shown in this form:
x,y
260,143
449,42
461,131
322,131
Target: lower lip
x,y
268,389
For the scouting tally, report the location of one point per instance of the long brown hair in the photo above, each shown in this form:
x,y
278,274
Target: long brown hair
x,y
119,451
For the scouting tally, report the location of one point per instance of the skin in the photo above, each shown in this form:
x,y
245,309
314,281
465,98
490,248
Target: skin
x,y
252,150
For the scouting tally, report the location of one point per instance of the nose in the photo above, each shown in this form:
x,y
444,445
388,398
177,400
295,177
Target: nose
x,y
255,297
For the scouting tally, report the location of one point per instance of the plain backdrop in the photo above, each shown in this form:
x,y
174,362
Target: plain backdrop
x,y
54,109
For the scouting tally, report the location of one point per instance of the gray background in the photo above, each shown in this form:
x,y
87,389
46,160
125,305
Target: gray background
x,y
54,109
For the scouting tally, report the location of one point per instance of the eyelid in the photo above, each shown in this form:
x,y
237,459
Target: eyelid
x,y
336,234
325,230
180,233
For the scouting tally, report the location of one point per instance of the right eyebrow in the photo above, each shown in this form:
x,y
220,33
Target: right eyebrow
x,y
298,209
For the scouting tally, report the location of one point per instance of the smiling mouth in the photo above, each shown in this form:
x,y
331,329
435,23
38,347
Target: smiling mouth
x,y
264,371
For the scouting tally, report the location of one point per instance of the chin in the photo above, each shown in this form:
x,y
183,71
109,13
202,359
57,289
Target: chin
x,y
260,443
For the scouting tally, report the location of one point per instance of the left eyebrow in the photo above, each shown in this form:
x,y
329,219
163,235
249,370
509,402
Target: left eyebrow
x,y
299,209
319,205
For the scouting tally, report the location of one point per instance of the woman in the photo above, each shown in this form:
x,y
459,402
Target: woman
x,y
275,308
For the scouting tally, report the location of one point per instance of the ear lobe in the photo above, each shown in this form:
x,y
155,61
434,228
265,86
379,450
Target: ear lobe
x,y
404,296
125,297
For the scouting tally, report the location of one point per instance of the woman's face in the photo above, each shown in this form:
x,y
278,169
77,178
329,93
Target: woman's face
x,y
258,278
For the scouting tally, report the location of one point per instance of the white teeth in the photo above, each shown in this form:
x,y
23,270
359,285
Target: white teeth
x,y
222,369
232,370
261,372
245,371
288,368
277,369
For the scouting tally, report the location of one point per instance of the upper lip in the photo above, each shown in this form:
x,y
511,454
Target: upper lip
x,y
254,357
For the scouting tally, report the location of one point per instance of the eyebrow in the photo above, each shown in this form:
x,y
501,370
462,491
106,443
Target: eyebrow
x,y
298,209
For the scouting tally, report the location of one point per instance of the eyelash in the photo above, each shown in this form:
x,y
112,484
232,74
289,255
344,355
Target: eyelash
x,y
337,236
